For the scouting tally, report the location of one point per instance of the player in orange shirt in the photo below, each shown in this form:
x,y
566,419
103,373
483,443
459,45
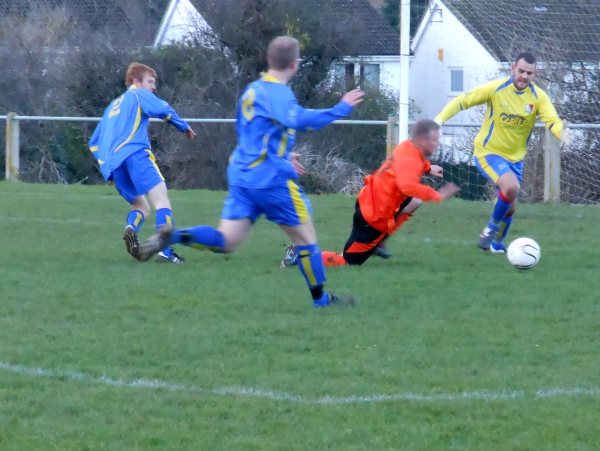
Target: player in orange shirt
x,y
390,196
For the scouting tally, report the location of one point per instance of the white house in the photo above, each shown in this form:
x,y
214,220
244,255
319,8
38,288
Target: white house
x,y
447,59
462,43
376,61
181,19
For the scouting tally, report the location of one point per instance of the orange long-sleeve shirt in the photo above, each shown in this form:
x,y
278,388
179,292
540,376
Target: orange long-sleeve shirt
x,y
396,179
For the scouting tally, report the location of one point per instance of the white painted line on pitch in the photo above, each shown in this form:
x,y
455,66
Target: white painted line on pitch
x,y
155,384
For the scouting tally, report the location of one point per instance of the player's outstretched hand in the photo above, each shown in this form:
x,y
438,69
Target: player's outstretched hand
x,y
294,158
191,134
566,136
436,171
354,97
448,190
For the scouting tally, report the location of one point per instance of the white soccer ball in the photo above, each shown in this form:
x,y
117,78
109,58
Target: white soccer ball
x,y
524,253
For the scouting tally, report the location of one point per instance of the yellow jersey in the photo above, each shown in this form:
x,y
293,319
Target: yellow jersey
x,y
509,118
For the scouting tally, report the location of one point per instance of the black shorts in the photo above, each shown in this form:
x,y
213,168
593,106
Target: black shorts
x,y
364,238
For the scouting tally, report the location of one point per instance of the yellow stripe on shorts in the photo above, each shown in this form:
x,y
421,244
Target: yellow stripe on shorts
x,y
299,204
487,168
153,160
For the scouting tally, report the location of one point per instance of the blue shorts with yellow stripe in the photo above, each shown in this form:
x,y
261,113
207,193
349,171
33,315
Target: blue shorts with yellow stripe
x,y
284,204
494,166
137,175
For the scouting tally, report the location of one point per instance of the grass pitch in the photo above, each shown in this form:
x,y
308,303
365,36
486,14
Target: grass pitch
x,y
448,347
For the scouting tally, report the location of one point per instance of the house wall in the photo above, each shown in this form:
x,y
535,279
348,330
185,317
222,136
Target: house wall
x,y
389,72
445,44
182,19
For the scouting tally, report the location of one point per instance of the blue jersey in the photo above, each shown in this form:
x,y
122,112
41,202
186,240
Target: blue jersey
x,y
268,117
123,129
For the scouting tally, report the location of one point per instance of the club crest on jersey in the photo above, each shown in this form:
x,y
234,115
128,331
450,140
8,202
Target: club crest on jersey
x,y
529,108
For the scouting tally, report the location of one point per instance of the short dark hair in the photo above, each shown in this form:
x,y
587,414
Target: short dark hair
x,y
527,56
423,127
282,51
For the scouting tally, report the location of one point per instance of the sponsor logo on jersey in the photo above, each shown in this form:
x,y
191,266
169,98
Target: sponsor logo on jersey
x,y
512,119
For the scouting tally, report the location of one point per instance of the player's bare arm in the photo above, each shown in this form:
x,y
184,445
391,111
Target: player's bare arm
x,y
436,171
448,190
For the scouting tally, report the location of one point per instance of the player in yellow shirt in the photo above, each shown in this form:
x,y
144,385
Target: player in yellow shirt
x,y
513,104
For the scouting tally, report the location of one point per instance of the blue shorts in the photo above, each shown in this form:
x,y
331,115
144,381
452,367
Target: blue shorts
x,y
284,204
137,175
494,166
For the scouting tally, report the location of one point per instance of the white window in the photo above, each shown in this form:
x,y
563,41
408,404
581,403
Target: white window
x,y
371,75
456,81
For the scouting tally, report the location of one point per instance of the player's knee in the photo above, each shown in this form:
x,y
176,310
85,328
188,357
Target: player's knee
x,y
511,191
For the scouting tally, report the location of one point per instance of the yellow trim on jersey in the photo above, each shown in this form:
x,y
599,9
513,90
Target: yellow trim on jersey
x,y
307,266
283,144
270,78
94,149
485,166
168,118
263,153
153,160
261,158
136,125
299,204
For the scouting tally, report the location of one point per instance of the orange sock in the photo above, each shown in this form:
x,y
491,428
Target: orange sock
x,y
333,259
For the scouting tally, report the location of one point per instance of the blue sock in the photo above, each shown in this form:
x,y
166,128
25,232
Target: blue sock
x,y
311,266
135,219
504,226
500,209
165,216
200,237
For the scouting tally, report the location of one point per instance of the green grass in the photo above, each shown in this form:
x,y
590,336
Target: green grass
x,y
440,318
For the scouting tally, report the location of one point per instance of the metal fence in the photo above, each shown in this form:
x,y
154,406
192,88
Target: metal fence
x,y
551,148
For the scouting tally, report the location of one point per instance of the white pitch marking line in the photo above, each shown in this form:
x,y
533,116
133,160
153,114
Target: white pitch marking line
x,y
155,384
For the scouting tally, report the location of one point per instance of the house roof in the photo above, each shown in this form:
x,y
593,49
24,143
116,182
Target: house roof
x,y
377,37
380,38
554,30
140,18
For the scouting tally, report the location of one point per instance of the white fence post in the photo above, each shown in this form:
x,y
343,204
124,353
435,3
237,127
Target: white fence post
x,y
12,147
551,168
392,135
